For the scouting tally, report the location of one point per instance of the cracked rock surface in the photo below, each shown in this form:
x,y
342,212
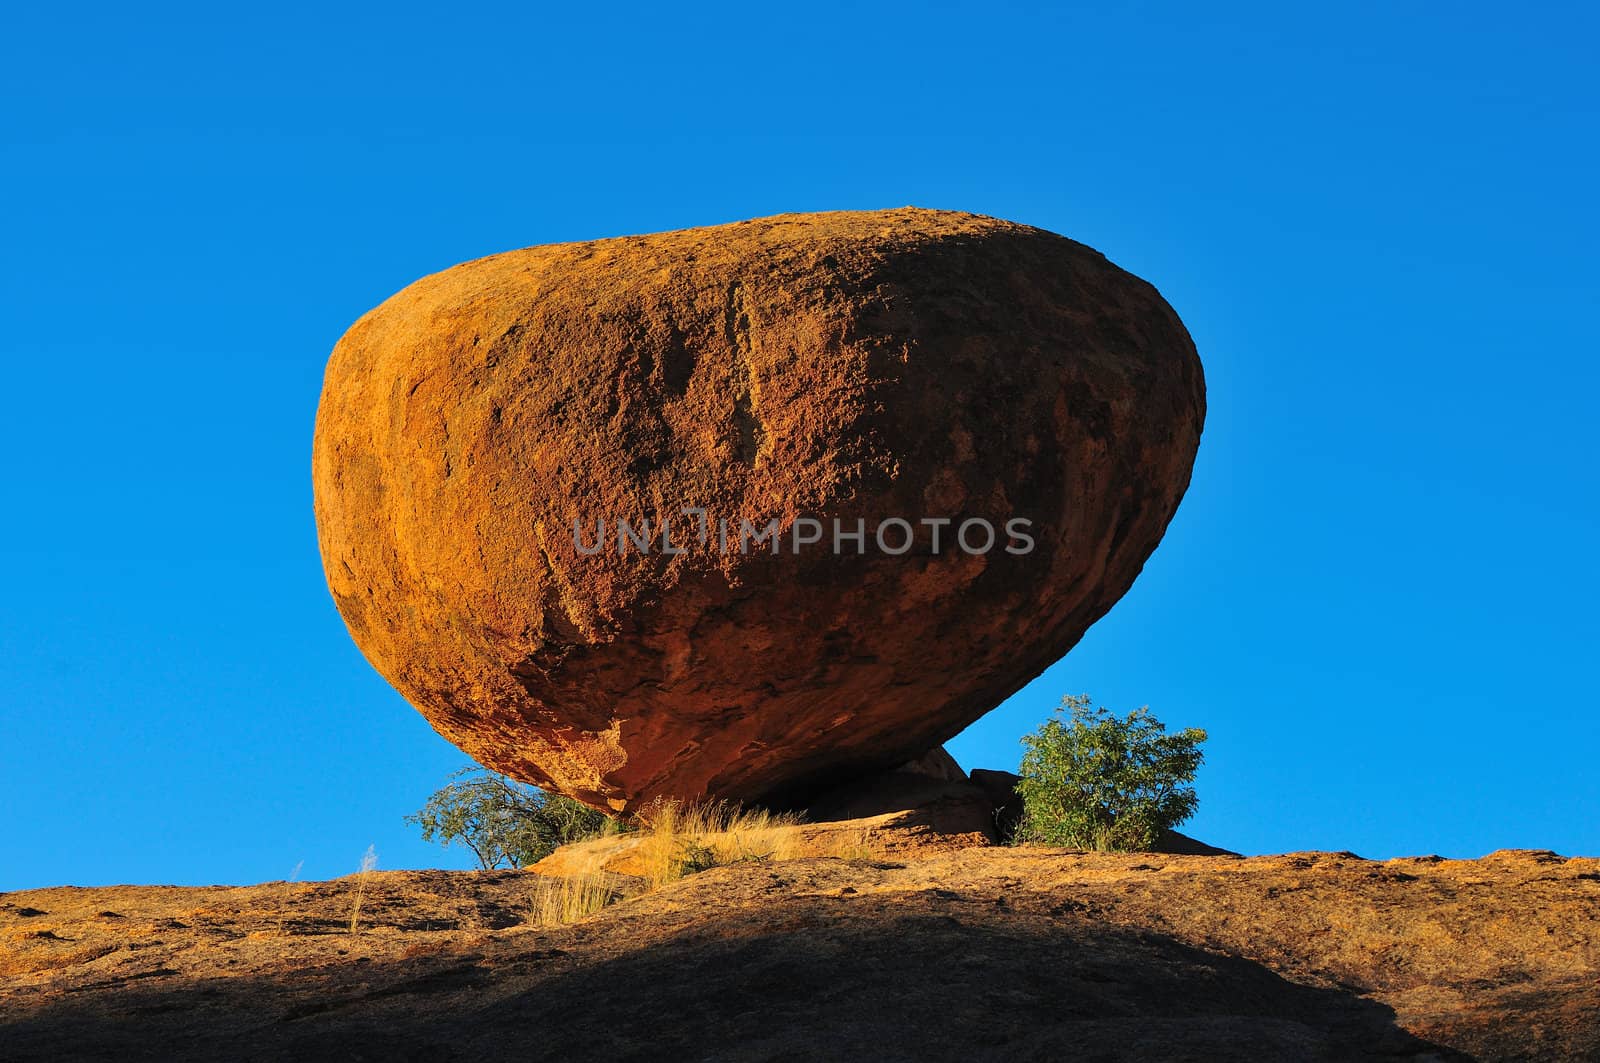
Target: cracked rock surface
x,y
858,366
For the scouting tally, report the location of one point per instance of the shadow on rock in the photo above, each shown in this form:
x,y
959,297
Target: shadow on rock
x,y
852,976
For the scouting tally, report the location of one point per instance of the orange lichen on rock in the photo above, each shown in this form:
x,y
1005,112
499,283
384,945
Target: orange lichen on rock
x,y
476,429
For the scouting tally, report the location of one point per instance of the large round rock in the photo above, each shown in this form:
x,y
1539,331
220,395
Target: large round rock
x,y
859,366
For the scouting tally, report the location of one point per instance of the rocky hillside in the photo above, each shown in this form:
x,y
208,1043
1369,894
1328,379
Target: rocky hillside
x,y
972,953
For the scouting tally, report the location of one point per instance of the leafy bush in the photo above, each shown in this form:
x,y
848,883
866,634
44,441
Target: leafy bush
x,y
1094,780
503,821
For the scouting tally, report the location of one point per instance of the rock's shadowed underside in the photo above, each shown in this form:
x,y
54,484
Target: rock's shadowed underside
x,y
907,363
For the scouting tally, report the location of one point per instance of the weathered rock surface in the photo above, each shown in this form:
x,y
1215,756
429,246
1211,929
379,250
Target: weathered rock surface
x,y
985,953
868,365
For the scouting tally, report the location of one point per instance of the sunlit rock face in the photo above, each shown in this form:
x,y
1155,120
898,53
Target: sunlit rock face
x,y
593,508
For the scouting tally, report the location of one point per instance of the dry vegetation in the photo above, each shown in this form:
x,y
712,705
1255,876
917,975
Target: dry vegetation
x,y
557,901
680,839
675,840
369,863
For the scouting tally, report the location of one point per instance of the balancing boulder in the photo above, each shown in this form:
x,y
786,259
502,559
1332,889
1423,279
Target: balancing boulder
x,y
825,411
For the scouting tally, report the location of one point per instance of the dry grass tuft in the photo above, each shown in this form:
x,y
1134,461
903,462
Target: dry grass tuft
x,y
368,862
559,901
856,845
288,894
680,839
677,839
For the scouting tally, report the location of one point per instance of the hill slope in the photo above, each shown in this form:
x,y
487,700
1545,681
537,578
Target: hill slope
x,y
979,953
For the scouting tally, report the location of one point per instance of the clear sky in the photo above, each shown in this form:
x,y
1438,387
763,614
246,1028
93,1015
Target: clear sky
x,y
1378,223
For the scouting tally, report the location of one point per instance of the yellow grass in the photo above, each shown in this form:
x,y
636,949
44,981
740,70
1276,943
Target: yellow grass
x,y
676,839
680,839
558,901
855,845
368,862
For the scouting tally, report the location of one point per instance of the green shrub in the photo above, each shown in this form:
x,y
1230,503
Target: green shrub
x,y
503,821
1094,780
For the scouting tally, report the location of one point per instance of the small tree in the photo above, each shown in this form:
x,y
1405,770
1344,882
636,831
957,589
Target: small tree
x,y
1093,780
503,821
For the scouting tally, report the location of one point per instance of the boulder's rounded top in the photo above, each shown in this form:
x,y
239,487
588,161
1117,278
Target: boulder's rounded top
x,y
796,239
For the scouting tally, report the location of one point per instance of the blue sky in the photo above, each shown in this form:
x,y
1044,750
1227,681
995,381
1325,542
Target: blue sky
x,y
1378,223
